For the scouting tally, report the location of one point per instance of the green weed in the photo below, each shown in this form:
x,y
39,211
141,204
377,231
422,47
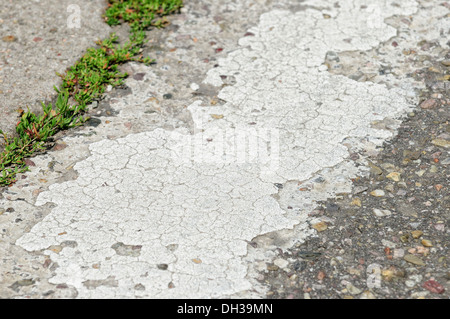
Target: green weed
x,y
88,78
141,14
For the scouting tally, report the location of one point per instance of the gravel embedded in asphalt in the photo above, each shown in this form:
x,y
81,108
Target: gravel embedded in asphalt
x,y
395,244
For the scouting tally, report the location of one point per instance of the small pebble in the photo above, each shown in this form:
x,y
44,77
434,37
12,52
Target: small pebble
x,y
416,233
381,212
395,176
433,286
426,243
414,260
282,263
428,104
320,226
377,193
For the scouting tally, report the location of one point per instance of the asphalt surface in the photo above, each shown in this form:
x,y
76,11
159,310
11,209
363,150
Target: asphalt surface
x,y
276,150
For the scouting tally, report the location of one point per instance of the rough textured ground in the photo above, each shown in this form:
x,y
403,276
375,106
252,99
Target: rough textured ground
x,y
38,39
201,176
393,245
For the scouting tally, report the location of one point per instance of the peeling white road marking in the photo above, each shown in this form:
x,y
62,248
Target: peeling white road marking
x,y
196,217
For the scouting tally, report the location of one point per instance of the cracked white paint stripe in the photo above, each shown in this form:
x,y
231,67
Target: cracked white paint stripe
x,y
196,216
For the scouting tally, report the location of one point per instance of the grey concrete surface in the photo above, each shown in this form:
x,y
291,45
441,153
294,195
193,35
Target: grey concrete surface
x,y
37,39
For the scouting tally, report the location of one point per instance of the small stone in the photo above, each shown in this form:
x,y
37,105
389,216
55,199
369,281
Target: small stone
x,y
282,263
359,189
395,176
399,253
416,233
375,170
422,250
139,76
388,243
433,286
438,187
426,243
381,212
299,265
9,38
321,275
412,155
441,142
352,289
29,162
197,261
433,69
428,104
308,255
272,267
389,274
55,248
419,294
320,226
377,193
332,208
59,146
356,202
420,173
446,62
414,260
62,286
217,116
368,295
139,287
162,266
25,282
127,250
354,271
402,184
